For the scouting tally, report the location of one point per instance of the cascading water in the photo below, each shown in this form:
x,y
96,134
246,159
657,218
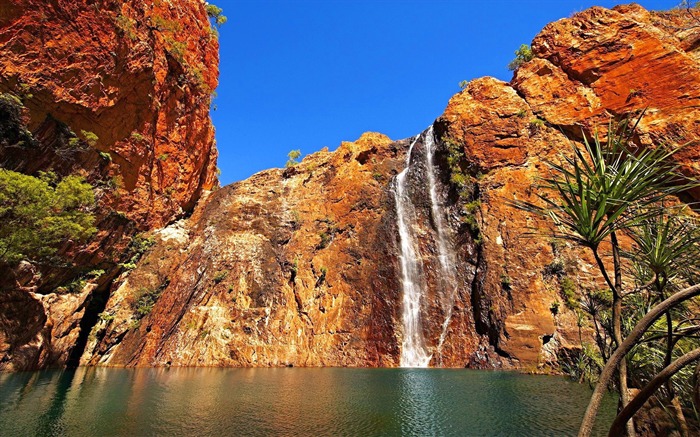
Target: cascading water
x,y
445,252
413,350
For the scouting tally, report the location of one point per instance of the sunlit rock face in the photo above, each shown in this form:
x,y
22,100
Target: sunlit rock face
x,y
290,267
119,92
303,266
597,64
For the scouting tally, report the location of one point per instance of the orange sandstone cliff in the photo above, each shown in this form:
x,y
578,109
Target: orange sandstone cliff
x,y
119,92
302,266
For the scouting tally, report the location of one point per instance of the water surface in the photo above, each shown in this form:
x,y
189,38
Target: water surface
x,y
291,402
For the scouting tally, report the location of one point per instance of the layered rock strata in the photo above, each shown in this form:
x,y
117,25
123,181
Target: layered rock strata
x,y
118,92
300,266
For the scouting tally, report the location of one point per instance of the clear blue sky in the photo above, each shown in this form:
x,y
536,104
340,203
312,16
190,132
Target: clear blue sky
x,y
300,74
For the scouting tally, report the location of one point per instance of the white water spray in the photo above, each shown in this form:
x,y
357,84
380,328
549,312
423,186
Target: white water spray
x,y
413,350
448,280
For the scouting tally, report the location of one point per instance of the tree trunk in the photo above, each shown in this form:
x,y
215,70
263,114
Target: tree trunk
x,y
680,417
621,352
696,387
644,394
616,289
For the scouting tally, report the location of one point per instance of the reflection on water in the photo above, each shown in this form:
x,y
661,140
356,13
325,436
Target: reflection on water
x,y
290,402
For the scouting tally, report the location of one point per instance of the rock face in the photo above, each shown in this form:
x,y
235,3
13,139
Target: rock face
x,y
301,266
290,267
119,92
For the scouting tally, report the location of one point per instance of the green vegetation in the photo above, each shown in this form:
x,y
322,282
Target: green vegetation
x,y
293,156
25,91
322,278
220,276
163,24
455,159
555,268
137,136
116,182
90,138
106,156
13,131
94,274
568,292
106,317
325,240
295,266
463,84
536,124
77,285
74,287
522,55
584,365
554,308
128,26
145,301
74,143
466,186
39,214
169,29
506,282
603,190
216,14
177,49
137,248
163,157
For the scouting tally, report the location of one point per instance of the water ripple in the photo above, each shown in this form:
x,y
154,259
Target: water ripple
x,y
291,402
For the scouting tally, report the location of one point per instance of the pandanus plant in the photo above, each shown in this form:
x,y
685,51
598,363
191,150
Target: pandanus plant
x,y
666,247
603,188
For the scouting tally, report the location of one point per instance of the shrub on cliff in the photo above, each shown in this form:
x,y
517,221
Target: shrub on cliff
x,y
13,131
38,214
522,55
216,14
293,156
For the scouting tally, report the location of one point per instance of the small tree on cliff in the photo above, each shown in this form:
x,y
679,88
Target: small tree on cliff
x,y
216,14
293,158
522,55
601,190
38,214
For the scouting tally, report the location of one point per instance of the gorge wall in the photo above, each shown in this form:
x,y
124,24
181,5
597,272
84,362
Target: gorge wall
x,y
302,266
119,93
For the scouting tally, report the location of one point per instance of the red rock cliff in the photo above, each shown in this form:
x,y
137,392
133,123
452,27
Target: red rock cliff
x,y
119,92
300,267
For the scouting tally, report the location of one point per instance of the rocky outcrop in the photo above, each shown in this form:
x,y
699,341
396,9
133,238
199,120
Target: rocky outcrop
x,y
119,92
291,267
300,266
596,65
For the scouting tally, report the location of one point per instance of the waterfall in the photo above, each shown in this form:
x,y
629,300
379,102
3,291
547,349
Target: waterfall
x,y
446,254
413,350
